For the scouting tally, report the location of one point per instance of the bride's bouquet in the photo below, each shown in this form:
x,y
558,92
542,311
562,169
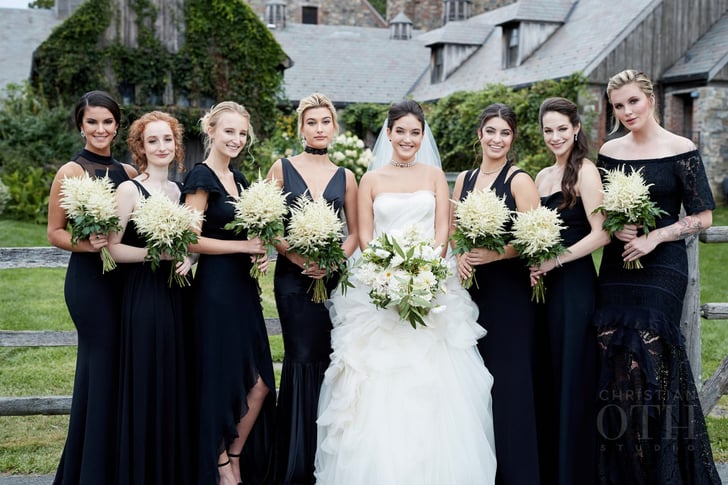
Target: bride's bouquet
x,y
404,271
260,210
169,228
537,237
90,208
480,223
627,201
315,232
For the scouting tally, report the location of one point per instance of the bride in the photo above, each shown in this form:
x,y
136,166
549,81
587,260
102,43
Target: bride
x,y
401,405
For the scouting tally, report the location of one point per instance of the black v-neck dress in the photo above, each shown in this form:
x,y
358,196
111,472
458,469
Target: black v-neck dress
x,y
306,328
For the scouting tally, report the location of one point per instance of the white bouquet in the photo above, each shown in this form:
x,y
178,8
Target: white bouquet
x,y
537,237
167,227
90,208
260,210
480,223
315,232
404,271
627,201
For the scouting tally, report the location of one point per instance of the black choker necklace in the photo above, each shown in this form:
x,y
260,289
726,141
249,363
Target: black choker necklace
x,y
316,151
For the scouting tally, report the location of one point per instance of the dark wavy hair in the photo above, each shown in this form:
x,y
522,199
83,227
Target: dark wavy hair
x,y
579,150
495,110
404,108
96,99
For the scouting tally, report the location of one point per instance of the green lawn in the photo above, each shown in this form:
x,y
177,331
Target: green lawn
x,y
32,299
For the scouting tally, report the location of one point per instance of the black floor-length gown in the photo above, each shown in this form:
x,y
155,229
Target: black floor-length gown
x,y
154,440
306,328
566,352
89,455
231,342
503,296
651,426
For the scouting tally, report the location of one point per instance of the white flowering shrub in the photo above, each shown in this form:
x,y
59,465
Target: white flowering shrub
x,y
348,150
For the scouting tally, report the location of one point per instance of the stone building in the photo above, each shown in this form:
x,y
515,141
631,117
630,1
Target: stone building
x,y
424,14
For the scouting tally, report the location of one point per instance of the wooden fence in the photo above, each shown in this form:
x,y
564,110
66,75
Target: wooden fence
x,y
48,257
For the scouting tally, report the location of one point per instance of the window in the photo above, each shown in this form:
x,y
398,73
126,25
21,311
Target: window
x,y
511,48
438,67
309,15
456,10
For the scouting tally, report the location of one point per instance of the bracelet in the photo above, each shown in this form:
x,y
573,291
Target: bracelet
x,y
558,262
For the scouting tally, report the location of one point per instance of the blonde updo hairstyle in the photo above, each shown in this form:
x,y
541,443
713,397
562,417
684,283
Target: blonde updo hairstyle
x,y
315,100
630,76
212,117
135,138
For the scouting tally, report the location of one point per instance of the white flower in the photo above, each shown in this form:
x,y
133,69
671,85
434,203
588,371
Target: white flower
x,y
482,214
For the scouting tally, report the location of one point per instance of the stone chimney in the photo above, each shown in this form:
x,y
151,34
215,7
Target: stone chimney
x,y
275,14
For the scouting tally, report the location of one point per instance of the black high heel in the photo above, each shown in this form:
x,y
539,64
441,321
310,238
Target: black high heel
x,y
233,455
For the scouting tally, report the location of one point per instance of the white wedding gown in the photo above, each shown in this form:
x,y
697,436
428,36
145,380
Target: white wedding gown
x,y
399,405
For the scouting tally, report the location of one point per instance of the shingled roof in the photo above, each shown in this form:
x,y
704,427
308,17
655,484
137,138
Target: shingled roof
x,y
593,28
705,58
350,64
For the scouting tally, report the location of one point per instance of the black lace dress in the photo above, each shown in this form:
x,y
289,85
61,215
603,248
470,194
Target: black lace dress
x,y
566,375
154,440
92,297
306,328
651,427
503,296
231,342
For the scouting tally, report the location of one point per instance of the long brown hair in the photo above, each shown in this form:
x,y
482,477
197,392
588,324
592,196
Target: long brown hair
x,y
579,150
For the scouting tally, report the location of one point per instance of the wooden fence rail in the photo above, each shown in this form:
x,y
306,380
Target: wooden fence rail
x,y
49,257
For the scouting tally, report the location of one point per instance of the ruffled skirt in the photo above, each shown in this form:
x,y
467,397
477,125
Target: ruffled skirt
x,y
401,405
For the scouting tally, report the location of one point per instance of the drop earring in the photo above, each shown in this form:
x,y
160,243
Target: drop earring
x,y
576,136
83,135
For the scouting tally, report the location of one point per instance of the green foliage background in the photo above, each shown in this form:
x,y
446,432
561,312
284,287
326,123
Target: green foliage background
x,y
454,121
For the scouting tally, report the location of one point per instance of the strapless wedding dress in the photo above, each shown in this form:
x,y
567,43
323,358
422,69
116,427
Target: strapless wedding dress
x,y
399,405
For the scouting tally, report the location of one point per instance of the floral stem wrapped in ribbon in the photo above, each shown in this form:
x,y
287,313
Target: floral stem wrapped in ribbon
x,y
480,223
315,232
168,228
404,271
537,237
260,210
627,201
90,208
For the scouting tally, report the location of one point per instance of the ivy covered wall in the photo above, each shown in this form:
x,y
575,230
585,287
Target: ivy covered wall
x,y
226,53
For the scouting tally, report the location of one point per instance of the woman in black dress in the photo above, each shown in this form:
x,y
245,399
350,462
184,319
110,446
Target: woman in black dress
x,y
503,296
306,325
154,441
566,376
651,427
89,455
235,382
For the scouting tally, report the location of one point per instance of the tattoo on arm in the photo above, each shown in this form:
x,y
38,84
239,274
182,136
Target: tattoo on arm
x,y
685,228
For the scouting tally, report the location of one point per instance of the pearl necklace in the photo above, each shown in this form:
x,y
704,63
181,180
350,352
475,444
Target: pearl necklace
x,y
489,172
402,164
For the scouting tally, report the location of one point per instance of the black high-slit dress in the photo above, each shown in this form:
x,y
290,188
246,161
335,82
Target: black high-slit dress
x,y
231,342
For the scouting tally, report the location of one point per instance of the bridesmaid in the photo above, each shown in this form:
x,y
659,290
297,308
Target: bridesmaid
x,y
235,382
567,376
89,455
153,362
508,348
306,325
